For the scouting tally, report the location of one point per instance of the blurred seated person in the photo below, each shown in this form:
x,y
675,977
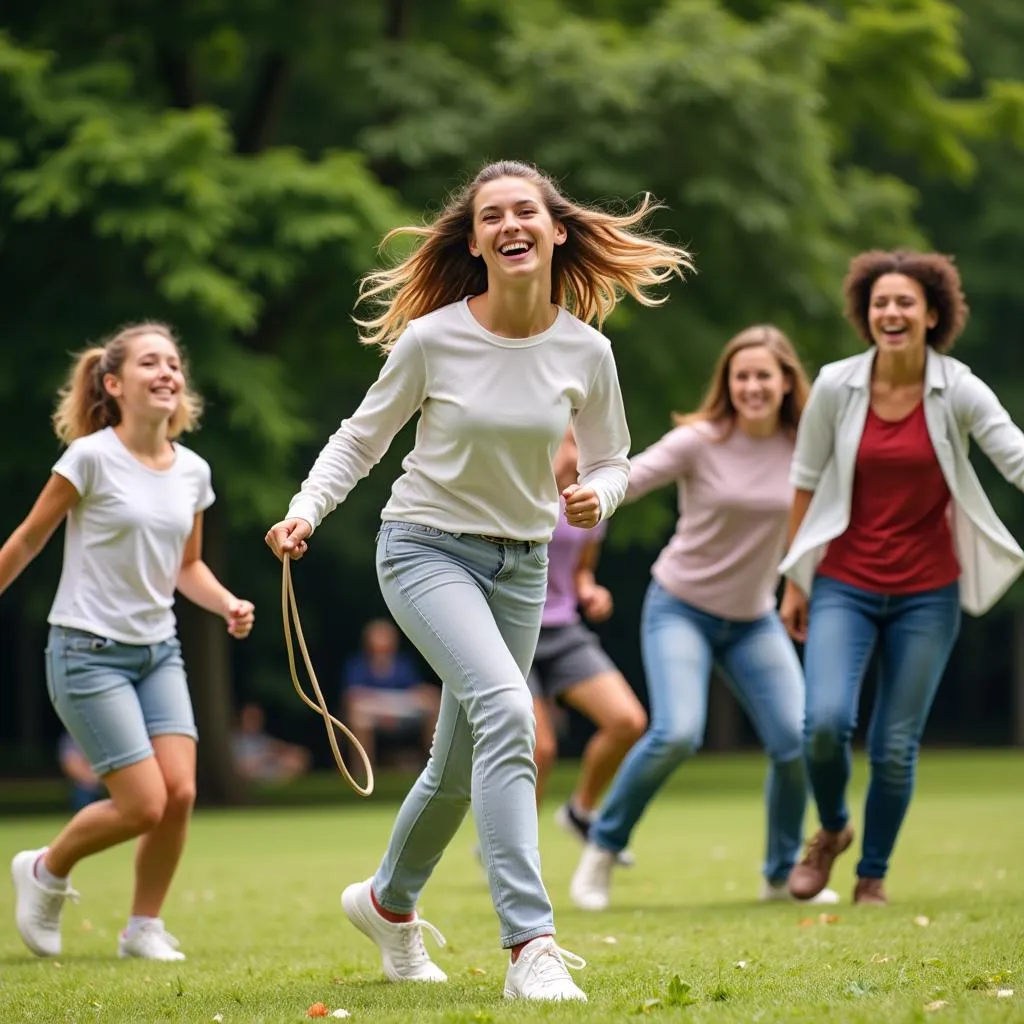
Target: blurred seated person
x,y
384,693
86,787
260,757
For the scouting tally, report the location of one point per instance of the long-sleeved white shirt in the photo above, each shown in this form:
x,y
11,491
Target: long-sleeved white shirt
x,y
493,411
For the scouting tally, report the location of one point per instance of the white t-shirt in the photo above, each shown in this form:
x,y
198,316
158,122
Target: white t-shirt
x,y
493,411
125,538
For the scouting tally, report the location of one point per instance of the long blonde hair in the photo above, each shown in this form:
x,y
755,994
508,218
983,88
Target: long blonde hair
x,y
601,259
84,404
717,409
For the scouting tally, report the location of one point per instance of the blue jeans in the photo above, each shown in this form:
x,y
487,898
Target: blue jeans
x,y
915,634
680,644
113,697
473,609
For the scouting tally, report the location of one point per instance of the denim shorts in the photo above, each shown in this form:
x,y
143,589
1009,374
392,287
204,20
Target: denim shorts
x,y
113,697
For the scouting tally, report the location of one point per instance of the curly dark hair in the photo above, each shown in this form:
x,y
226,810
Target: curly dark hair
x,y
936,274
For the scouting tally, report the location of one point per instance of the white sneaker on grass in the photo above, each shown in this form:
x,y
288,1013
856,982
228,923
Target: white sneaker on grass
x,y
37,908
402,952
148,940
578,826
590,888
778,891
542,972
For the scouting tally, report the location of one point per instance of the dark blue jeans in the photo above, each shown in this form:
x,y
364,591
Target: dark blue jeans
x,y
914,634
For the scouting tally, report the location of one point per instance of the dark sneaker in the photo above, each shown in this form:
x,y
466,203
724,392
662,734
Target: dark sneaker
x,y
870,892
811,875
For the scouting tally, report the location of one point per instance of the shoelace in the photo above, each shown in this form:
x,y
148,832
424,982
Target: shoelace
x,y
552,961
819,849
413,952
53,900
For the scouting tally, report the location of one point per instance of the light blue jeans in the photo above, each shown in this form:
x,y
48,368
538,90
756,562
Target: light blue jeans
x,y
914,634
113,697
680,644
473,610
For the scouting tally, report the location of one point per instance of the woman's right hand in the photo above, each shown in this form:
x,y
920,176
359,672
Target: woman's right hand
x,y
288,537
793,612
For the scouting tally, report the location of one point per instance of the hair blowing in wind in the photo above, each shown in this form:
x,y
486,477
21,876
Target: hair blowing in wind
x,y
604,257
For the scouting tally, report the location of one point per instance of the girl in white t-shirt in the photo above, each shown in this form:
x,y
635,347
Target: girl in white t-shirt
x,y
483,347
133,499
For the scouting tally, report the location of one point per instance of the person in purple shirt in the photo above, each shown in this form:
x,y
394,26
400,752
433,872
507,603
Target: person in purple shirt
x,y
570,665
712,601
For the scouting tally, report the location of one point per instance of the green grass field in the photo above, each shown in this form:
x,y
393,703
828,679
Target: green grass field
x,y
256,908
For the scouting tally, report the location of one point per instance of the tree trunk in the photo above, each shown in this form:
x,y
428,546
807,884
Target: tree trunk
x,y
1017,697
206,648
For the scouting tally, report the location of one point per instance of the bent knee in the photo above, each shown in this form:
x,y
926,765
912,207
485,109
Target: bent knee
x,y
181,797
675,747
628,725
143,811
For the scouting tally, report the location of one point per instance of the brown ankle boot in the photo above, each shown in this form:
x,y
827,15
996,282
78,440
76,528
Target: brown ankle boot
x,y
870,892
811,875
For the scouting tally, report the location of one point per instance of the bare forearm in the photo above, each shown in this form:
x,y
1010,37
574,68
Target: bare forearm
x,y
19,550
797,512
197,582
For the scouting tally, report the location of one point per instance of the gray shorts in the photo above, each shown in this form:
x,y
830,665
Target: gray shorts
x,y
566,656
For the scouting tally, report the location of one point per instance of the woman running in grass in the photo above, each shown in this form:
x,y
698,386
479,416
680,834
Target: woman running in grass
x,y
712,600
891,535
133,497
570,665
486,329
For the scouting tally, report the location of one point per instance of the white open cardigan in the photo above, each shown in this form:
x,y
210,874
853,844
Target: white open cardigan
x,y
957,406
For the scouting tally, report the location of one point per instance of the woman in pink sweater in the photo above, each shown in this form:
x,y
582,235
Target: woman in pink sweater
x,y
712,600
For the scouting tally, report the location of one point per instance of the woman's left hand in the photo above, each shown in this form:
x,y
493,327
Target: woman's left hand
x,y
582,506
239,616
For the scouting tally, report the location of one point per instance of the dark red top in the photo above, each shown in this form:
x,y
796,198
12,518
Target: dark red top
x,y
899,539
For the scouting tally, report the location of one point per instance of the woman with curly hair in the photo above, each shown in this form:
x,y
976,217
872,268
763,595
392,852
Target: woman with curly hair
x,y
486,326
891,535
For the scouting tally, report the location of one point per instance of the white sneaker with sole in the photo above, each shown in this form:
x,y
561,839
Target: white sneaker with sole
x,y
571,821
404,956
542,972
771,893
148,941
590,888
37,909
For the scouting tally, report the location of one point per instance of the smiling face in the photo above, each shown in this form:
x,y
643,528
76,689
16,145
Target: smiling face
x,y
898,314
513,231
757,388
151,382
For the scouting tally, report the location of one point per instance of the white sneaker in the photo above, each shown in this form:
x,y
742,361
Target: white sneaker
x,y
148,941
590,888
541,972
37,909
576,825
772,892
401,946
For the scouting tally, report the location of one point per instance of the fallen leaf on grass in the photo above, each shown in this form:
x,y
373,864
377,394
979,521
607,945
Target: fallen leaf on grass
x,y
921,921
317,1010
477,970
341,1013
610,940
876,959
1004,993
828,918
218,1017
937,1005
740,965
